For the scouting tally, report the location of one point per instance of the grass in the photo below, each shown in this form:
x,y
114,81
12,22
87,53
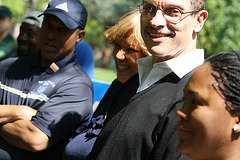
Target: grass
x,y
107,75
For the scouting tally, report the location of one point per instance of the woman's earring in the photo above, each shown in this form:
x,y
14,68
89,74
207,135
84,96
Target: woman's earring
x,y
236,127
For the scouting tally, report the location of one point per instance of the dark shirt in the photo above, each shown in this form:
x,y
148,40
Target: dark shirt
x,y
142,126
63,99
79,147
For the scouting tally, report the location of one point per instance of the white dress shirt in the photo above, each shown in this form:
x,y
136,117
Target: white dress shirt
x,y
180,65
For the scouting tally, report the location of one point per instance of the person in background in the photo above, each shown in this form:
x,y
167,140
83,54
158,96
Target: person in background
x,y
46,96
209,125
141,122
128,47
85,57
29,34
8,45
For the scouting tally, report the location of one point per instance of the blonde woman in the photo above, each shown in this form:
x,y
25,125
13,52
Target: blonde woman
x,y
128,46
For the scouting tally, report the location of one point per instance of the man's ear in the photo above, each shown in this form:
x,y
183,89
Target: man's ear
x,y
199,20
10,22
80,35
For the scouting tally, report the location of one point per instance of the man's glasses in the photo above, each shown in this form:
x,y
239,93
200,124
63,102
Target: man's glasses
x,y
170,13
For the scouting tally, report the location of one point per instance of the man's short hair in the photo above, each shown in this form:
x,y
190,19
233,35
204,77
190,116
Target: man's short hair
x,y
198,5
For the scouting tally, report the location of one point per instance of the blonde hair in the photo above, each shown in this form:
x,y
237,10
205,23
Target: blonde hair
x,y
129,22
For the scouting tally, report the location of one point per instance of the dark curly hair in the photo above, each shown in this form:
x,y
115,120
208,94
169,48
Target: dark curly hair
x,y
226,71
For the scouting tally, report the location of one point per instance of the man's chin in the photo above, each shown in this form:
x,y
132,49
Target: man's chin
x,y
22,53
156,50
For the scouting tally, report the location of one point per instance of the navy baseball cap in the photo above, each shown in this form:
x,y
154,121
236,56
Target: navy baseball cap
x,y
71,12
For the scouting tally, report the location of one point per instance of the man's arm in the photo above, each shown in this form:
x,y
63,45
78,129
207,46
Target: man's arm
x,y
23,134
11,113
18,131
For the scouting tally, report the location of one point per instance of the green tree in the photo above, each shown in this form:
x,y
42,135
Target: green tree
x,y
22,7
103,14
221,30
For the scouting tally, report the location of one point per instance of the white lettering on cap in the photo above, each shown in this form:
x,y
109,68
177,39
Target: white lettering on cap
x,y
63,6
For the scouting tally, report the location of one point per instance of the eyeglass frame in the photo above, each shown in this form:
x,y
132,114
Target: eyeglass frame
x,y
140,8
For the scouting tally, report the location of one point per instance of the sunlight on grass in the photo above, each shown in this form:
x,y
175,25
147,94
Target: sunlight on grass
x,y
106,75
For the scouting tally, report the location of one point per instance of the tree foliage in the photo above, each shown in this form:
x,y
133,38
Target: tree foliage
x,y
101,15
21,8
221,30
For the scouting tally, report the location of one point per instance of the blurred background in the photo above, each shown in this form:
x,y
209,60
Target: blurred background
x,y
220,33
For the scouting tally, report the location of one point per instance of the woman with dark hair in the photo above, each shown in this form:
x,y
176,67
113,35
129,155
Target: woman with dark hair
x,y
209,126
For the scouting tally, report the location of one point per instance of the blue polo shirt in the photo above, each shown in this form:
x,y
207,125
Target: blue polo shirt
x,y
62,97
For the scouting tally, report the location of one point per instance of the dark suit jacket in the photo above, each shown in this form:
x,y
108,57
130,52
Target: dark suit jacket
x,y
142,126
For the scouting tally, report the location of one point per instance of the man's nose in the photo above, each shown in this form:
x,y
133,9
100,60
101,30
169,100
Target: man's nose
x,y
158,20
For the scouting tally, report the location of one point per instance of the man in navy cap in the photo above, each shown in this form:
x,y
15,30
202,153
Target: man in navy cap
x,y
8,45
45,97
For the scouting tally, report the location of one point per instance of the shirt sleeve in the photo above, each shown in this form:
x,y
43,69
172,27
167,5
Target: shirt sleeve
x,y
70,105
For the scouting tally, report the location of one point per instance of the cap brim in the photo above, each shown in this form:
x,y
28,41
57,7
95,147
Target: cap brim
x,y
68,21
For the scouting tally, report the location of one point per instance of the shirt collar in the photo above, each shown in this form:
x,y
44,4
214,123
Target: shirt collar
x,y
184,64
60,64
180,65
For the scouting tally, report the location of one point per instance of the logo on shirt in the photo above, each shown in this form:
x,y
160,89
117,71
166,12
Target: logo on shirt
x,y
43,86
63,6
